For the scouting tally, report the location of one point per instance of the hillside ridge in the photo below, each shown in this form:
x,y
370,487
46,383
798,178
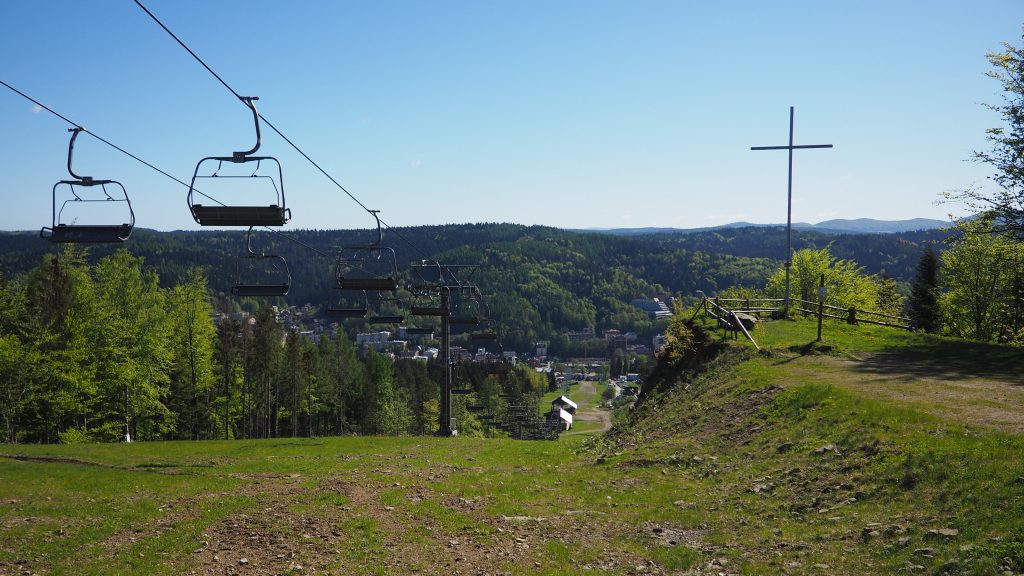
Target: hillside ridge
x,y
873,452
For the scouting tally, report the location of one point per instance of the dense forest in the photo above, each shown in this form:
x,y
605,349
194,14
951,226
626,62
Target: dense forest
x,y
104,342
103,353
100,343
539,281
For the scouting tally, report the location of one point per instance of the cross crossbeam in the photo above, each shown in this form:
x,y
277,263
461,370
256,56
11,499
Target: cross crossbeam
x,y
789,196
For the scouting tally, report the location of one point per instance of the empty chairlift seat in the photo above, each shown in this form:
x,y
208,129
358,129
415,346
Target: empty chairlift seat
x,y
368,267
83,206
239,181
261,275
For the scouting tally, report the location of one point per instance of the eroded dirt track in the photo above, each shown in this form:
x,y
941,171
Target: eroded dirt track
x,y
589,412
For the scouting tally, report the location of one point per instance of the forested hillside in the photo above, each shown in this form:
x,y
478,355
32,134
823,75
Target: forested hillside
x,y
548,278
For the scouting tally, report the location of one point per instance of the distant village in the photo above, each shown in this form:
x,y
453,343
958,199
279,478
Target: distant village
x,y
305,321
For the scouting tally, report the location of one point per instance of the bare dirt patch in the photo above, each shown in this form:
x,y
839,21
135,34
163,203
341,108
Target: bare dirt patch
x,y
271,538
590,413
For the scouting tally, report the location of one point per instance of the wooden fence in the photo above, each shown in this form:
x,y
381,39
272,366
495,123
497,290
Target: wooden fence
x,y
724,310
727,318
854,316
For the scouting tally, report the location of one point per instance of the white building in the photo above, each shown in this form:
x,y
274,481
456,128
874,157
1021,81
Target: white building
x,y
565,404
376,340
563,418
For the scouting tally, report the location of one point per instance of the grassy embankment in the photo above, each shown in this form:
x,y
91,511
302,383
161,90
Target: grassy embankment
x,y
872,453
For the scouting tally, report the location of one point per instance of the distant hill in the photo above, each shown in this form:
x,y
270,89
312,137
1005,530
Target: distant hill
x,y
837,226
871,226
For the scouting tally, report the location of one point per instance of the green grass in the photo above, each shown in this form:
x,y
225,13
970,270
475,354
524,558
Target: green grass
x,y
765,463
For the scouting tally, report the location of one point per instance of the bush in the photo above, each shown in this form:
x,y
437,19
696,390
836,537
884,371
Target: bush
x,y
76,436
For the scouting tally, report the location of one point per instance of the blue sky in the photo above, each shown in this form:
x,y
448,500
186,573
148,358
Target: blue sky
x,y
565,113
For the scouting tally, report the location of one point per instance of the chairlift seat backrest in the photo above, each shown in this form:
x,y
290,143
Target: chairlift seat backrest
x,y
383,319
260,290
418,330
464,320
497,367
272,215
386,284
427,311
87,233
346,312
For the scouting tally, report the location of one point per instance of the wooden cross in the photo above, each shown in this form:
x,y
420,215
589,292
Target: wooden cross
x,y
789,202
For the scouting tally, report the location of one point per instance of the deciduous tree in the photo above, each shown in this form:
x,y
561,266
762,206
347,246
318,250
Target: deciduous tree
x,y
1006,155
977,274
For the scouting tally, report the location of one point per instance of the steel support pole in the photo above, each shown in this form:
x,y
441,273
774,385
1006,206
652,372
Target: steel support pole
x,y
445,412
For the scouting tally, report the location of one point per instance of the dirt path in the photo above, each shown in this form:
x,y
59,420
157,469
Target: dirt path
x,y
589,412
975,399
383,527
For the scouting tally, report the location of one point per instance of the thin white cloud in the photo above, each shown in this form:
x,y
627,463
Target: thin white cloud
x,y
730,217
36,108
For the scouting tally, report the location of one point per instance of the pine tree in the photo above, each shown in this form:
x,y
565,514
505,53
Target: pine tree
x,y
923,305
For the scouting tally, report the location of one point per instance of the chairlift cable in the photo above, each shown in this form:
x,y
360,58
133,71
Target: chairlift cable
x,y
416,248
147,164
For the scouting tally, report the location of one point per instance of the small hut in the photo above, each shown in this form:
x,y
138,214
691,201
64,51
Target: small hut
x,y
561,418
565,404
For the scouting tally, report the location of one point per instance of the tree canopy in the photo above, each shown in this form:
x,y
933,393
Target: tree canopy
x,y
1006,156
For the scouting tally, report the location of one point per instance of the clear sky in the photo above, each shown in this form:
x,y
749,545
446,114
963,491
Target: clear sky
x,y
567,113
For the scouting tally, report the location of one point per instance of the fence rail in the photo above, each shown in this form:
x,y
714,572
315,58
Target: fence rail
x,y
725,308
856,316
727,317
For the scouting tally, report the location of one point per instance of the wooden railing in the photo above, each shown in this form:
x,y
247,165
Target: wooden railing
x,y
751,305
726,317
854,316
723,309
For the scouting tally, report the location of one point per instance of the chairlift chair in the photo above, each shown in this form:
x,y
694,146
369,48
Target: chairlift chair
x,y
260,274
273,214
386,319
486,334
381,313
348,312
497,367
62,230
469,308
345,313
428,273
427,302
368,267
498,364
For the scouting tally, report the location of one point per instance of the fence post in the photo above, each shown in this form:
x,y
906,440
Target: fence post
x,y
821,304
852,318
